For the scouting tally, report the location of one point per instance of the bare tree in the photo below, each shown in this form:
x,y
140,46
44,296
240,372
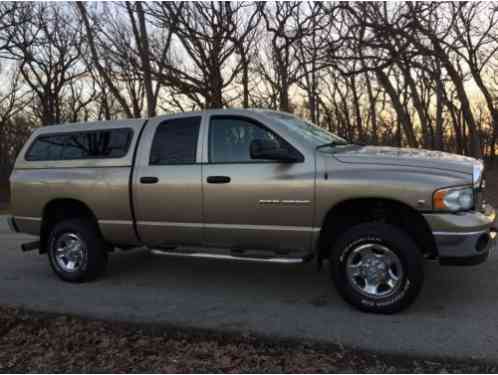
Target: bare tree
x,y
12,101
12,14
207,35
96,59
427,21
387,73
476,31
286,23
47,48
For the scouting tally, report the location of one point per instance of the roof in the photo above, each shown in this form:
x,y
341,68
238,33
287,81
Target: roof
x,y
109,124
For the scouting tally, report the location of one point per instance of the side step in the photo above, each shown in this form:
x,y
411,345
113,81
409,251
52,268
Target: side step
x,y
229,257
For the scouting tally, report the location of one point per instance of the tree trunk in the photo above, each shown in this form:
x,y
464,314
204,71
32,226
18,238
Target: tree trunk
x,y
143,47
438,142
373,112
95,57
492,150
489,100
475,144
403,117
245,80
214,97
284,96
357,110
417,103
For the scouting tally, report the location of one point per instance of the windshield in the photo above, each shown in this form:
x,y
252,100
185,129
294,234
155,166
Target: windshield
x,y
311,132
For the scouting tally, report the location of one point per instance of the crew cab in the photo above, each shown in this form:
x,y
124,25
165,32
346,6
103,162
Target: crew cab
x,y
252,185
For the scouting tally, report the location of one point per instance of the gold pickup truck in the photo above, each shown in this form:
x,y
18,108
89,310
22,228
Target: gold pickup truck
x,y
250,185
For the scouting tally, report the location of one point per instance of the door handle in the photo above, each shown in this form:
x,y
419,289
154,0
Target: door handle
x,y
218,180
149,180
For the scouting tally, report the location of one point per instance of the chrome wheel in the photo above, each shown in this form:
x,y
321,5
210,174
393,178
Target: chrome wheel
x,y
374,270
70,252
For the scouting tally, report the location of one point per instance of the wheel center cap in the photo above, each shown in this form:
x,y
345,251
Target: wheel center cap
x,y
374,270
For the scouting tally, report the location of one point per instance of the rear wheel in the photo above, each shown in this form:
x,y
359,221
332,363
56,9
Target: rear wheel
x,y
377,268
76,251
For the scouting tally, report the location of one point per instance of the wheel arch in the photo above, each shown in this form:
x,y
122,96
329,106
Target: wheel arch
x,y
62,209
350,212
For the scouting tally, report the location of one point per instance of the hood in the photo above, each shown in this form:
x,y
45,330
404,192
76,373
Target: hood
x,y
409,157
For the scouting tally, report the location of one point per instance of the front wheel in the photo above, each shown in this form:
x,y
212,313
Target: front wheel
x,y
377,268
76,251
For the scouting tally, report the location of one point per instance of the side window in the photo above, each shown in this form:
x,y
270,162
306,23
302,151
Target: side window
x,y
230,139
46,148
81,145
76,147
175,142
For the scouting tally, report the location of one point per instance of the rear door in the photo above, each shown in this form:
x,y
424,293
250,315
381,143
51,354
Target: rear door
x,y
167,188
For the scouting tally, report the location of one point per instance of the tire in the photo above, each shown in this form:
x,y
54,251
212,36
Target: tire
x,y
89,260
370,252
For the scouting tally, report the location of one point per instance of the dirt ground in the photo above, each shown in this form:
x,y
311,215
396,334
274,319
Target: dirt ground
x,y
42,343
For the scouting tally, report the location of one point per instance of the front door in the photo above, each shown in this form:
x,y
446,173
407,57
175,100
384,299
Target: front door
x,y
167,187
250,204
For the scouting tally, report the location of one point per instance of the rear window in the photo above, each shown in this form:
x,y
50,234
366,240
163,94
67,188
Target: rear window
x,y
98,144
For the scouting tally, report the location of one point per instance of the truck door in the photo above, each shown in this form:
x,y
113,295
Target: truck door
x,y
254,204
167,187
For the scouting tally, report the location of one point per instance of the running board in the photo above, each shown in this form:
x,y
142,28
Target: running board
x,y
229,257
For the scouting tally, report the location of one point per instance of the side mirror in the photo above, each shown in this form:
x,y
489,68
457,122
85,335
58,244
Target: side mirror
x,y
264,149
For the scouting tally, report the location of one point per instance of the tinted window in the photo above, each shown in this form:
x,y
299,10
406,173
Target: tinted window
x,y
81,145
175,142
230,139
46,148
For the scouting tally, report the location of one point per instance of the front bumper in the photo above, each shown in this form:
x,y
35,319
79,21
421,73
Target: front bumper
x,y
464,238
465,249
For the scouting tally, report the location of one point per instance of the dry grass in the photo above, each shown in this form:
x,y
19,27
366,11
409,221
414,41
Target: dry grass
x,y
43,343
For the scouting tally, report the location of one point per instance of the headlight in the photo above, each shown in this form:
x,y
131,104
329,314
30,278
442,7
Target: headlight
x,y
454,199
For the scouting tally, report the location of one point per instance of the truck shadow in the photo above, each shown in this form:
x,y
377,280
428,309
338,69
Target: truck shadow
x,y
447,290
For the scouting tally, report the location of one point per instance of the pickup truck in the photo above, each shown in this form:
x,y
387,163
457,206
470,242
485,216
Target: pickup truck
x,y
252,185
